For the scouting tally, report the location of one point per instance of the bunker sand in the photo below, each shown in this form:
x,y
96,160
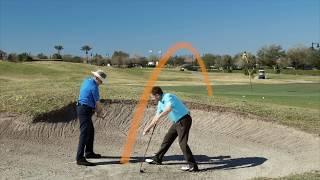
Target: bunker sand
x,y
227,145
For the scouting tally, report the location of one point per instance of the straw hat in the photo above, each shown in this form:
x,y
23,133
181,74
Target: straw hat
x,y
100,75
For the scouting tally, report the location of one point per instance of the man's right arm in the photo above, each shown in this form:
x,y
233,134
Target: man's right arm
x,y
156,118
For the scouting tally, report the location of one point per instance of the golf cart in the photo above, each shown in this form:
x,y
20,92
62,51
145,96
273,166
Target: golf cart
x,y
262,74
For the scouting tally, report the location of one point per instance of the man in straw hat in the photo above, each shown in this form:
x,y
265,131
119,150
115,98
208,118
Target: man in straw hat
x,y
88,103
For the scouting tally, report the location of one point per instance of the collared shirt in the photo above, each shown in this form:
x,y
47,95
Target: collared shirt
x,y
178,109
89,93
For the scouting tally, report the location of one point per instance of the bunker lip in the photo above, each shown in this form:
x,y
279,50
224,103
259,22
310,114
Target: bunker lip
x,y
68,112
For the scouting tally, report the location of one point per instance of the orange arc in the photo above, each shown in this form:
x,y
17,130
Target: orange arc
x,y
140,108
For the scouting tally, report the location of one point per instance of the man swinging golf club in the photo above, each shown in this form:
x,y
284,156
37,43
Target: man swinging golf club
x,y
88,103
169,104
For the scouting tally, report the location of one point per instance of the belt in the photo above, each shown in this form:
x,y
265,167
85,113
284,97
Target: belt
x,y
183,117
79,104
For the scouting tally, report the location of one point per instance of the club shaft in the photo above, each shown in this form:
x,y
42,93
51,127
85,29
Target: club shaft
x,y
144,155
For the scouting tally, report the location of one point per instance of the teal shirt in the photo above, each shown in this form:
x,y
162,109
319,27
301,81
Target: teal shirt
x,y
178,108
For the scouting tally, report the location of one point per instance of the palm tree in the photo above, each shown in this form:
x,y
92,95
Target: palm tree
x,y
58,48
86,49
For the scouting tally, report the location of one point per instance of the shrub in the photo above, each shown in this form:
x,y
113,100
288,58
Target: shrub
x,y
24,57
42,56
12,57
70,58
56,56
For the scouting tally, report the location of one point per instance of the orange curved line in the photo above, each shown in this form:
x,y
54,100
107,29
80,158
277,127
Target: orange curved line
x,y
126,153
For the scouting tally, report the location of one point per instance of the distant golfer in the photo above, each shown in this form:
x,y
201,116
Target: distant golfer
x,y
88,103
181,120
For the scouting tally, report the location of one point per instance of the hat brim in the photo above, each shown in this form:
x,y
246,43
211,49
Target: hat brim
x,y
98,76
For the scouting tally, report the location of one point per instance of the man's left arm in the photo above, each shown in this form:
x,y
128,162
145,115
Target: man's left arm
x,y
96,97
98,109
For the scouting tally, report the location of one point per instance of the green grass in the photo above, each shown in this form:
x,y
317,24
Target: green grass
x,y
283,71
299,72
295,105
40,87
295,95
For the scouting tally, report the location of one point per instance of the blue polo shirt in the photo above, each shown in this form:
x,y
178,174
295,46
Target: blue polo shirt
x,y
89,93
178,108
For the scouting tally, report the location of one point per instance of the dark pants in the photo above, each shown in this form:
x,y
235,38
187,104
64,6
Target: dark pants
x,y
86,131
180,129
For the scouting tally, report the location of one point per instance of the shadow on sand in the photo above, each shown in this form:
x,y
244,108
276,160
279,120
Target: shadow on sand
x,y
217,163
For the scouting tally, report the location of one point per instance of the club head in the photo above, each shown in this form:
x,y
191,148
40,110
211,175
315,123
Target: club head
x,y
141,171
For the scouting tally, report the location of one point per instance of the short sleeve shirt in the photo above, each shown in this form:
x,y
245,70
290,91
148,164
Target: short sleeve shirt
x,y
89,93
178,108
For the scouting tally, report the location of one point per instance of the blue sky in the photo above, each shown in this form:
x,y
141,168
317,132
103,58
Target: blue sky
x,y
135,26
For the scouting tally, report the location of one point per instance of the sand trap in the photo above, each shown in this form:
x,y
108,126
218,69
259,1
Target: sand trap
x,y
227,145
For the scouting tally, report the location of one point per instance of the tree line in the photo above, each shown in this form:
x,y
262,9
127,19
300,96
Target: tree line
x,y
271,56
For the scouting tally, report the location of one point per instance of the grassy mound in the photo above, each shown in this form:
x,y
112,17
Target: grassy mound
x,y
40,87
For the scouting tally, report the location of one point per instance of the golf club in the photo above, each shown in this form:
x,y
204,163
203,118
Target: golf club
x,y
144,156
